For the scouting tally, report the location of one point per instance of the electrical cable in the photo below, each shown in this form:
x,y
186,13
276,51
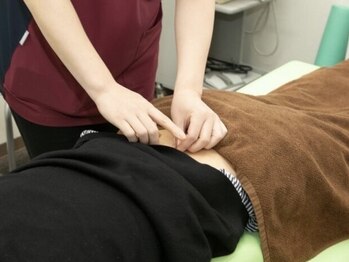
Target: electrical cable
x,y
258,28
219,65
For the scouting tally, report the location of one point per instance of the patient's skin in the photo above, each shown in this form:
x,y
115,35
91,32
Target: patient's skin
x,y
205,156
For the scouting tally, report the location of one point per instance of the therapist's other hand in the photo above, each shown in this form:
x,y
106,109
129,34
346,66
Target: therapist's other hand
x,y
203,127
135,116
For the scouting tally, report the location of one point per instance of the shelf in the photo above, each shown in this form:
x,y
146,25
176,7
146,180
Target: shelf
x,y
237,6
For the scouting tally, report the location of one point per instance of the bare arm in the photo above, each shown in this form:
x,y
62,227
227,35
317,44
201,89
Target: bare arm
x,y
136,117
62,29
194,25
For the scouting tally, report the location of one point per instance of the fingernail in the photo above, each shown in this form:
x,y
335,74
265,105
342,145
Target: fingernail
x,y
182,135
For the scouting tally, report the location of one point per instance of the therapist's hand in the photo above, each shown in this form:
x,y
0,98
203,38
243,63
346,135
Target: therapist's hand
x,y
136,117
203,127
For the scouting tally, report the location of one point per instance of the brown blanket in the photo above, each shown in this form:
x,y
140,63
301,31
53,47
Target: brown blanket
x,y
290,149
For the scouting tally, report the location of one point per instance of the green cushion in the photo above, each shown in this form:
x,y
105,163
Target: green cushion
x,y
248,250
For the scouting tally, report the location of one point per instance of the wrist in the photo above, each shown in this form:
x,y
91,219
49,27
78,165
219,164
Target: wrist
x,y
188,90
97,89
188,86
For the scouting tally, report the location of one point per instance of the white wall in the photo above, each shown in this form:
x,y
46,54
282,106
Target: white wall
x,y
300,25
167,58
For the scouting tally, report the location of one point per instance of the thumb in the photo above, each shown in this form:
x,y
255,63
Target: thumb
x,y
178,118
182,123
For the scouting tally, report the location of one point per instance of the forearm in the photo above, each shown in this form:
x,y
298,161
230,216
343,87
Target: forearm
x,y
60,25
194,25
136,117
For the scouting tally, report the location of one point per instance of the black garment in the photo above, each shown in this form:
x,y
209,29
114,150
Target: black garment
x,y
111,200
14,19
40,139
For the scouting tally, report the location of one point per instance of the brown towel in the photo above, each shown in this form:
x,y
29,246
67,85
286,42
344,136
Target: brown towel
x,y
290,150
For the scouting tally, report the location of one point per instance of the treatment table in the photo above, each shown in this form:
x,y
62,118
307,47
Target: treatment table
x,y
248,248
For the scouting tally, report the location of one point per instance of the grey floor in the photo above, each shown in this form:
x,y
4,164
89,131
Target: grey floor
x,y
21,157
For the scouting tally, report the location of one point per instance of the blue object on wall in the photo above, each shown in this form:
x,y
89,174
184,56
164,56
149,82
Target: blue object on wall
x,y
334,42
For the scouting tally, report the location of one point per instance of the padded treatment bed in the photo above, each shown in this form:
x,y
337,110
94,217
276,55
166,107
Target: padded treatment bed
x,y
248,248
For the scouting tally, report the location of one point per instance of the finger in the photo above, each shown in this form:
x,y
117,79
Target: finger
x,y
194,129
224,128
205,137
180,122
218,133
150,125
139,129
165,122
127,131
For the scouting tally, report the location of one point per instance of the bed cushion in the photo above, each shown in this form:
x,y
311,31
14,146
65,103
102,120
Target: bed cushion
x,y
249,250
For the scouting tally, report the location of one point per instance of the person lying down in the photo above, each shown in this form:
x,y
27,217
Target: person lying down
x,y
110,200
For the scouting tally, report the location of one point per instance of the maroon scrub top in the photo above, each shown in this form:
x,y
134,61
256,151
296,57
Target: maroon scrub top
x,y
126,35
